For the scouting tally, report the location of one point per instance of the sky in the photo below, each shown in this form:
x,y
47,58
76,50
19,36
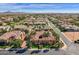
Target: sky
x,y
40,7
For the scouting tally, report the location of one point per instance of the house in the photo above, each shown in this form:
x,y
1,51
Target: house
x,y
20,27
15,35
7,28
38,38
6,19
39,22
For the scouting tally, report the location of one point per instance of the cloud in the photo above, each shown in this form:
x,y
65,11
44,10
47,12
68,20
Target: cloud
x,y
41,7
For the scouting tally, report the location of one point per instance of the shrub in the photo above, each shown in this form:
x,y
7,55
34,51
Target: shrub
x,y
21,17
33,32
46,34
3,42
0,24
26,31
15,43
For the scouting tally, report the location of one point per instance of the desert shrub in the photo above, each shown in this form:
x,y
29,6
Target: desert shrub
x,y
46,34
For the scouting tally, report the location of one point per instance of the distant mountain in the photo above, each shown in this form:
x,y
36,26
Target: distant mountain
x,y
10,12
7,12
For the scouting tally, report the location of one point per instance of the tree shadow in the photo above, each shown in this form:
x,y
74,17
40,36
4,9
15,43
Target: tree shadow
x,y
45,51
35,51
21,51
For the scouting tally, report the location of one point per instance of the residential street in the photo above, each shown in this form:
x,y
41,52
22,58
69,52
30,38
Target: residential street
x,y
66,41
71,50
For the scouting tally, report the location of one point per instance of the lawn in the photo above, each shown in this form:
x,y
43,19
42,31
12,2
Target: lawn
x,y
3,47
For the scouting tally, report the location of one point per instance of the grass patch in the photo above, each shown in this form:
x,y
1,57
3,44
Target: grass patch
x,y
4,47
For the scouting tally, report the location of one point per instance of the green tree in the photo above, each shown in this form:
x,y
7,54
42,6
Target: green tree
x,y
15,43
46,34
32,33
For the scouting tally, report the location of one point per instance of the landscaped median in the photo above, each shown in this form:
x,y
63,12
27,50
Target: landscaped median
x,y
64,44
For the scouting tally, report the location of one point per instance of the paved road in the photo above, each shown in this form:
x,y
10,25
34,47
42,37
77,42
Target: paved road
x,y
72,50
66,41
41,52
